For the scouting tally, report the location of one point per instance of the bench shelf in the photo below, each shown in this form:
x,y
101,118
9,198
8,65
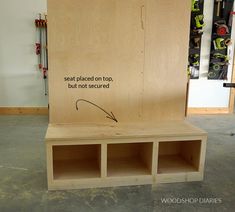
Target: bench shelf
x,y
129,159
76,161
158,153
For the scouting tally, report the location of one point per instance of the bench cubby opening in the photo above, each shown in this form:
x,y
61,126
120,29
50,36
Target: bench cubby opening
x,y
179,157
129,159
76,161
84,156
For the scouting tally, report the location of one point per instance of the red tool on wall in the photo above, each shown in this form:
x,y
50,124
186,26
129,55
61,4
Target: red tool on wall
x,y
221,28
41,47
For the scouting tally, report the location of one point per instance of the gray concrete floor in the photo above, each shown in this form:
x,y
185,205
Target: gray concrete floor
x,y
23,174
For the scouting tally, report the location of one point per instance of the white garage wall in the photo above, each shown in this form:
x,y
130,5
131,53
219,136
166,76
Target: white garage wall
x,y
203,92
21,83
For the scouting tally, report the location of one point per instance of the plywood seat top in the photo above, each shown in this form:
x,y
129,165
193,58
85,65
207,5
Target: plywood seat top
x,y
60,132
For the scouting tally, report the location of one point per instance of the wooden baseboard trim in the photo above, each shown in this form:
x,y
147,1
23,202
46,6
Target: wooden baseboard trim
x,y
23,110
232,100
44,111
212,110
232,91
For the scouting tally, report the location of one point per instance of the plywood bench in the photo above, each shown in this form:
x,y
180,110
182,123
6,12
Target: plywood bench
x,y
104,155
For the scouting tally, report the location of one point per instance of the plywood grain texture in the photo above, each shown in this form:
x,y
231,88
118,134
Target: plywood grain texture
x,y
141,44
129,155
81,132
232,92
206,110
23,111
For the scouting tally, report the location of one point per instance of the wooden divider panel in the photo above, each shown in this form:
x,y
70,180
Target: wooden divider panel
x,y
121,59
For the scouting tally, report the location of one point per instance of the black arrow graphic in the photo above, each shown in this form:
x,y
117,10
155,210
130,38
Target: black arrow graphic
x,y
109,115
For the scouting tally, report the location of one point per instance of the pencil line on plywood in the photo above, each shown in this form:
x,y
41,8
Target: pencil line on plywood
x,y
144,49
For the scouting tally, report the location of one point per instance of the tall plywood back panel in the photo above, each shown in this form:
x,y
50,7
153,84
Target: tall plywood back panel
x,y
141,44
117,94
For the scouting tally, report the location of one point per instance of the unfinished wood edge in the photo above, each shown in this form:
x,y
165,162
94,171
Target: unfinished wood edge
x,y
100,183
181,138
202,155
104,160
24,111
202,132
105,181
231,100
187,97
49,156
208,111
155,160
179,177
232,92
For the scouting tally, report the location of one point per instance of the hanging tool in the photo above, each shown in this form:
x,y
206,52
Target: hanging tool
x,y
45,66
38,42
41,47
228,42
41,25
195,6
188,71
216,67
220,69
218,7
45,80
44,55
213,75
222,57
221,43
230,22
38,49
46,42
194,59
223,9
196,42
194,72
221,28
199,21
41,42
223,75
